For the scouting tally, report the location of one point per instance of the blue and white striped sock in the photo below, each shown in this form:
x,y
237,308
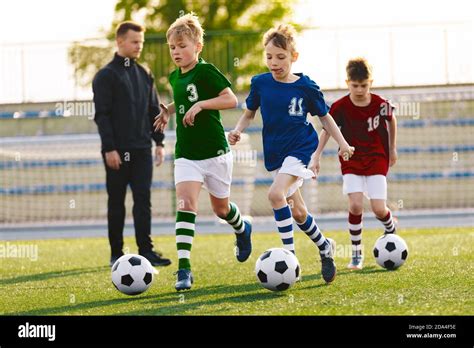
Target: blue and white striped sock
x,y
284,222
314,233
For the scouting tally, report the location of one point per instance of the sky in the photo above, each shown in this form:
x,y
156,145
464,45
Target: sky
x,y
414,32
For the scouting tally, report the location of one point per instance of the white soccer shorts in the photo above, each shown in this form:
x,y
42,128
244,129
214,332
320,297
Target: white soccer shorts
x,y
214,173
293,166
373,186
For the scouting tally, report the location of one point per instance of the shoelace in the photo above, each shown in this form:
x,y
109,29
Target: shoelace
x,y
181,276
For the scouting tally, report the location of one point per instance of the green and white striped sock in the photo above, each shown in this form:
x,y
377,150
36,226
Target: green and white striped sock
x,y
235,219
185,226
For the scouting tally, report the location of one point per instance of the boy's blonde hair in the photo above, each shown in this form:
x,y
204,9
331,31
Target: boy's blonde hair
x,y
282,36
358,69
189,26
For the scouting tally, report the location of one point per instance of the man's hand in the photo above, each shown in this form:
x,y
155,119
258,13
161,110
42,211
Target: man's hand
x,y
233,137
159,155
315,166
188,119
393,157
162,119
113,160
346,151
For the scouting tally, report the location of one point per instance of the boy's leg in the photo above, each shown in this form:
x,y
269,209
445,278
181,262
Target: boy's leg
x,y
229,211
217,181
383,214
187,194
281,210
377,191
356,208
354,187
307,224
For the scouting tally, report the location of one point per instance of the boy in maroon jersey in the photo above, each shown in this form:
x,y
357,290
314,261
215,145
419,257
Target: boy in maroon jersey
x,y
367,123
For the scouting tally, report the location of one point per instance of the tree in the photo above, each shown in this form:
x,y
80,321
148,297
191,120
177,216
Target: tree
x,y
232,41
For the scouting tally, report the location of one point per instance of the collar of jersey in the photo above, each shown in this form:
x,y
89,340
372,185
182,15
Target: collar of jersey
x,y
301,75
200,60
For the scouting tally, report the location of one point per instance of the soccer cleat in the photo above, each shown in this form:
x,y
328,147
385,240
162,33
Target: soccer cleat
x,y
155,259
328,266
243,243
185,279
356,262
114,258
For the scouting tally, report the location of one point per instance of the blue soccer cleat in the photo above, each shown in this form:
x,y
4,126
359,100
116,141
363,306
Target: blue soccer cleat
x,y
185,279
243,243
328,267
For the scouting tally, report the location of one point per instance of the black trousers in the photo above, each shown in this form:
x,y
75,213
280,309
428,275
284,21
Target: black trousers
x,y
136,170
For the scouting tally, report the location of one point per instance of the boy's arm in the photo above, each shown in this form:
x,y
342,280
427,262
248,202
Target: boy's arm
x,y
242,124
315,164
331,127
323,140
392,129
225,100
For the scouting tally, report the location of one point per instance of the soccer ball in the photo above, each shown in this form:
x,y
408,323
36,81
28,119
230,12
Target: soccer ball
x,y
277,269
132,274
390,251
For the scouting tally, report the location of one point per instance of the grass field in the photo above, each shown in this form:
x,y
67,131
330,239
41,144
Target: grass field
x,y
71,277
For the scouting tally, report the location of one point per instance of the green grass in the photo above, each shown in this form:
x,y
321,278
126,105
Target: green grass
x,y
71,277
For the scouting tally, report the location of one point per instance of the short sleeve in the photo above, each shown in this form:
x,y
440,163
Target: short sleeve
x,y
387,109
316,104
336,115
213,79
253,100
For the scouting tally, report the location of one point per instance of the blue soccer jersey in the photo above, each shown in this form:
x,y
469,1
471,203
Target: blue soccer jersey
x,y
284,108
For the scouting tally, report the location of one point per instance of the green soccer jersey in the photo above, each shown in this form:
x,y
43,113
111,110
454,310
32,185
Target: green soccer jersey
x,y
206,139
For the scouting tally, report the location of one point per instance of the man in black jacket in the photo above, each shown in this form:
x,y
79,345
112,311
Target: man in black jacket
x,y
126,104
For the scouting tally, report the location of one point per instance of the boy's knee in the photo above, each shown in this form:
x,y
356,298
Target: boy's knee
x,y
380,212
221,211
186,204
275,196
356,208
299,215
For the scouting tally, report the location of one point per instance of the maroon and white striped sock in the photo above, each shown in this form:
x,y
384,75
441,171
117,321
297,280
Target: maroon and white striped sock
x,y
355,229
388,223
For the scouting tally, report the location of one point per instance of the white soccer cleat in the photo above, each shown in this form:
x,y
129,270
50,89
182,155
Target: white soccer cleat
x,y
356,263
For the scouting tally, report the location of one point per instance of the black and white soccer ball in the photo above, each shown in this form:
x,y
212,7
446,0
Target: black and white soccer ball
x,y
390,251
277,269
132,274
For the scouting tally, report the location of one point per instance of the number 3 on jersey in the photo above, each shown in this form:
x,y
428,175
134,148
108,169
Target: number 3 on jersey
x,y
191,88
373,123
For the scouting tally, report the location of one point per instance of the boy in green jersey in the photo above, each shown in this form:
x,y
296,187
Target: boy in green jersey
x,y
202,154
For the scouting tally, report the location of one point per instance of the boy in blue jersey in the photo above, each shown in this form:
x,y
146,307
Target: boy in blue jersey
x,y
289,141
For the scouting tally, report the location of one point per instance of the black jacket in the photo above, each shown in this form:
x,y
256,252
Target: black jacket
x,y
126,104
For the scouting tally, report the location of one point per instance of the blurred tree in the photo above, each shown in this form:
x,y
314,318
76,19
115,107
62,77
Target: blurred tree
x,y
233,34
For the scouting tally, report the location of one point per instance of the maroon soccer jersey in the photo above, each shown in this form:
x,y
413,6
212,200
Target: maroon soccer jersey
x,y
365,128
